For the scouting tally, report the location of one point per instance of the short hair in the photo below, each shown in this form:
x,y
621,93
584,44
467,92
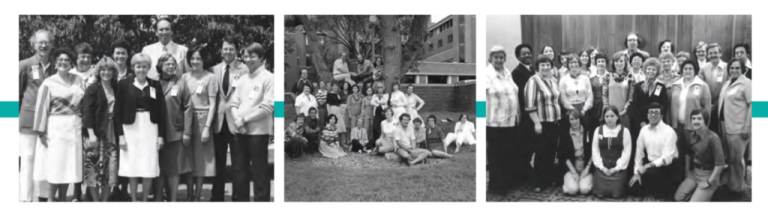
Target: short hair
x,y
463,115
84,48
306,85
410,85
543,59
161,61
405,115
33,38
714,45
312,109
577,114
563,53
616,57
255,48
300,116
141,58
167,19
355,86
693,63
672,45
388,109
636,54
704,114
603,56
589,62
204,54
613,109
108,64
701,45
520,47
640,41
569,58
433,117
654,105
666,55
63,51
743,45
121,43
684,54
741,63
417,120
231,40
652,62
545,47
331,116
494,50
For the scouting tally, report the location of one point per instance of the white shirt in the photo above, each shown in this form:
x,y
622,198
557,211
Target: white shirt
x,y
659,143
682,100
304,102
376,101
405,135
623,161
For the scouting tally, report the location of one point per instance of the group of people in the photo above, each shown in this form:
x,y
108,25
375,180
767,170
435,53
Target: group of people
x,y
151,118
681,125
339,117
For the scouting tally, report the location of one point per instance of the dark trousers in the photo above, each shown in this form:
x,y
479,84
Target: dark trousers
x,y
661,181
506,163
545,148
223,140
312,143
252,163
295,147
356,145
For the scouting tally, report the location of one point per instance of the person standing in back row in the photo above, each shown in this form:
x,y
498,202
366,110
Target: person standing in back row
x,y
520,76
226,73
164,32
252,108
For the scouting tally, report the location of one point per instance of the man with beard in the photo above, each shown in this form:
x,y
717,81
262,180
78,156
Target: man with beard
x,y
32,72
365,71
520,76
656,163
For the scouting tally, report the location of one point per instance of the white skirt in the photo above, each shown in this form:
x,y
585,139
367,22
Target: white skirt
x,y
462,137
397,111
141,158
62,161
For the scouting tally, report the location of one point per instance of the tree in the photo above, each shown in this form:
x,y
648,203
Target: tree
x,y
398,59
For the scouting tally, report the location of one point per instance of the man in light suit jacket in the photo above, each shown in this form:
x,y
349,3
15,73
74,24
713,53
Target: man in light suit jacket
x,y
165,45
226,73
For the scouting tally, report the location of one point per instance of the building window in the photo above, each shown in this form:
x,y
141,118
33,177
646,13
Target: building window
x,y
437,79
431,47
466,77
450,39
440,43
408,79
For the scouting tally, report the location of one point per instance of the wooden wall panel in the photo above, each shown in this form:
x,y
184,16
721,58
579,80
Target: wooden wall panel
x,y
607,32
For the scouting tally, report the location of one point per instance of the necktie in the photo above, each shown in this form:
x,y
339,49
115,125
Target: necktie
x,y
225,82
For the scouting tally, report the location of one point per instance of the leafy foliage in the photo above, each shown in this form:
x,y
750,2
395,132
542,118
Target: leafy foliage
x,y
101,30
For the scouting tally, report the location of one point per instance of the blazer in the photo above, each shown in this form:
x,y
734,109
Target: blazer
x,y
222,100
125,105
566,151
520,76
178,108
155,51
95,111
640,101
29,69
736,99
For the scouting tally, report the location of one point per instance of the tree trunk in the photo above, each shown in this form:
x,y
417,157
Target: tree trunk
x,y
391,50
316,50
414,52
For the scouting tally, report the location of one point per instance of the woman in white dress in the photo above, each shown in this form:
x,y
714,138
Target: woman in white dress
x,y
60,162
463,133
414,103
397,101
140,126
386,142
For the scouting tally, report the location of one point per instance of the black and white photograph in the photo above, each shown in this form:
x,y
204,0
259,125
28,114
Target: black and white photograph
x,y
380,108
618,108
138,108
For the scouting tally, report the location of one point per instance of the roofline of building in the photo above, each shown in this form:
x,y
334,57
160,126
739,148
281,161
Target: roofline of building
x,y
438,23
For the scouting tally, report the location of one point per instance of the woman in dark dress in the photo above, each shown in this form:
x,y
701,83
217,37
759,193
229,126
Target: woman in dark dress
x,y
611,148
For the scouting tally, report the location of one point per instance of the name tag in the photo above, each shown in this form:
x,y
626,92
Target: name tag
x,y
254,93
720,76
199,89
658,90
175,90
697,90
35,72
152,92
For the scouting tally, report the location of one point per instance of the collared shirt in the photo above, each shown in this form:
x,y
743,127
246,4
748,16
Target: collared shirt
x,y
658,144
503,109
578,141
623,161
637,76
706,149
340,67
359,134
527,67
405,136
576,91
379,100
715,76
542,96
735,106
121,74
233,76
305,102
420,133
156,50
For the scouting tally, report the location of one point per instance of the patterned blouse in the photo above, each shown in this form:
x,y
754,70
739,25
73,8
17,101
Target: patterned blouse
x,y
503,109
542,95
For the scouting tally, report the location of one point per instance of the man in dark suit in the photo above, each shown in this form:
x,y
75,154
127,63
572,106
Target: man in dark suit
x,y
32,72
520,76
226,73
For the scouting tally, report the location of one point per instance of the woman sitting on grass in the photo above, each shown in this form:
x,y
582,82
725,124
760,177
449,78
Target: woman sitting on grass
x,y
329,144
386,142
464,133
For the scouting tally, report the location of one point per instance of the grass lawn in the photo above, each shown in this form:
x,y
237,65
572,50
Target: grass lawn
x,y
362,177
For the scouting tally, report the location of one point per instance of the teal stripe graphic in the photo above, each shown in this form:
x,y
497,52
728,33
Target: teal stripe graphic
x,y
480,109
9,109
759,109
279,109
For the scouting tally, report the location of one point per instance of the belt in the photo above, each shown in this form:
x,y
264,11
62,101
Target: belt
x,y
141,110
702,167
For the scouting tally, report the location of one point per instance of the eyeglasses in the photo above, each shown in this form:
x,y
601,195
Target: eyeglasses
x,y
654,113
